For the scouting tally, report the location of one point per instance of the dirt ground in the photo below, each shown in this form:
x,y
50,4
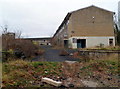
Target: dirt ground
x,y
76,74
98,78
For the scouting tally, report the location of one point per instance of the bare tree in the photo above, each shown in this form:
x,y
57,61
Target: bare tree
x,y
9,42
18,33
5,29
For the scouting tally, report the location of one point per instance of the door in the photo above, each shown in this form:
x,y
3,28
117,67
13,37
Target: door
x,y
81,43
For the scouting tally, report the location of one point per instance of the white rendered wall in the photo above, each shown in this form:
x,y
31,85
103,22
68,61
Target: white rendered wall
x,y
92,41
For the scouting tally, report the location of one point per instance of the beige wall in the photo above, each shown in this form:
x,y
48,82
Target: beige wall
x,y
42,41
87,22
92,22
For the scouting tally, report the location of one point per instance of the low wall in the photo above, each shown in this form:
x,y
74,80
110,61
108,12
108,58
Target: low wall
x,y
100,54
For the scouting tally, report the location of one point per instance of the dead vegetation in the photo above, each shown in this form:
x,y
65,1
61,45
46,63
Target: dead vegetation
x,y
71,74
104,48
18,48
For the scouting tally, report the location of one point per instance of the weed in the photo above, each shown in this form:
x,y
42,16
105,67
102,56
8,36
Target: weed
x,y
20,73
36,64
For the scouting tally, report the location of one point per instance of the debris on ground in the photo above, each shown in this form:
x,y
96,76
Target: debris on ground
x,y
89,83
70,62
71,54
51,82
95,73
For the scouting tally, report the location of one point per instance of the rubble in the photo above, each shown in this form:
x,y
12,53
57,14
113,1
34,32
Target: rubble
x,y
51,82
89,83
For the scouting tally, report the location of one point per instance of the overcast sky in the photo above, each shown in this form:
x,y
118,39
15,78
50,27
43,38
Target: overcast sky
x,y
41,18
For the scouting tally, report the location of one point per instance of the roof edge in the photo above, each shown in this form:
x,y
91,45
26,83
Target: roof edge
x,y
92,6
65,19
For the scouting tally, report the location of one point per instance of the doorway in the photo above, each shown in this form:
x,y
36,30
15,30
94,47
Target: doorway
x,y
81,43
111,42
66,43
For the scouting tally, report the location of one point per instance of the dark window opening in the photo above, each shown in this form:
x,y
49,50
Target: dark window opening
x,y
74,40
111,42
66,43
81,43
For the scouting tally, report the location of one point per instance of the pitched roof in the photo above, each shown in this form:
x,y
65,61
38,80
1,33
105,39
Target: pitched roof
x,y
95,7
64,21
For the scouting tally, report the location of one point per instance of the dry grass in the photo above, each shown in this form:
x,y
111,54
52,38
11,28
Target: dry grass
x,y
57,47
105,48
24,73
0,73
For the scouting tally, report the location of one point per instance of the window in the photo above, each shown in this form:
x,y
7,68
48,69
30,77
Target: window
x,y
74,40
111,42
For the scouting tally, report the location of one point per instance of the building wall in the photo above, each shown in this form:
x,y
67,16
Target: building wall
x,y
92,41
61,35
92,22
42,41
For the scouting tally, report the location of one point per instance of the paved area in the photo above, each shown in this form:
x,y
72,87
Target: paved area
x,y
53,55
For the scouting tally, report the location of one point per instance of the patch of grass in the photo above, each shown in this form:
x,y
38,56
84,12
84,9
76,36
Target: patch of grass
x,y
15,73
14,65
25,73
85,67
0,72
21,73
36,64
106,48
110,66
51,68
17,78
